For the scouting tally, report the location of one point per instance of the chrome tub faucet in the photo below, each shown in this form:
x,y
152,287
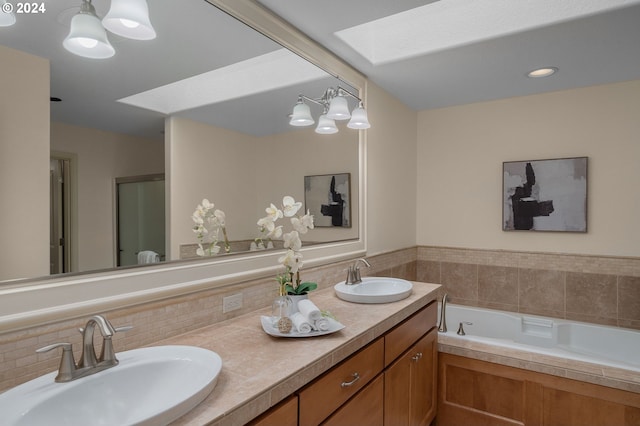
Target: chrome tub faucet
x,y
442,327
89,363
353,272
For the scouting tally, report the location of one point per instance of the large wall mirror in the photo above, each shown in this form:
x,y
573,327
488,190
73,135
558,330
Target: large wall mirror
x,y
200,112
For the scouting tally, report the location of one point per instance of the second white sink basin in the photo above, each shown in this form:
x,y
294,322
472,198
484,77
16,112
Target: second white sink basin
x,y
150,386
374,290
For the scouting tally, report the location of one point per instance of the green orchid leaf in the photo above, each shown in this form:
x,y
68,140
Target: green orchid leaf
x,y
306,287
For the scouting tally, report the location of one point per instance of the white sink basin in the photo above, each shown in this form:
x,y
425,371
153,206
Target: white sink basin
x,y
150,386
374,290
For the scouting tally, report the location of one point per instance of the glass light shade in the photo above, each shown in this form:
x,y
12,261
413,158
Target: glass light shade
x,y
88,38
326,126
129,18
338,109
6,19
359,119
301,115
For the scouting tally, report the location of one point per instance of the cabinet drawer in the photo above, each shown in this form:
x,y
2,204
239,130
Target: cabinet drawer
x,y
406,334
330,391
283,414
366,408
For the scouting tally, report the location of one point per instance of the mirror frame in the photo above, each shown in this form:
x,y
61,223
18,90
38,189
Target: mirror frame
x,y
37,302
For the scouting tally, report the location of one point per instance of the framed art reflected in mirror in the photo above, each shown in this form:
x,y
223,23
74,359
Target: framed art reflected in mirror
x,y
328,199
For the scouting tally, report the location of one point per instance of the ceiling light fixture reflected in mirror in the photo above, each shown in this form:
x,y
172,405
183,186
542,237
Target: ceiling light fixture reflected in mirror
x,y
335,107
129,18
87,36
126,18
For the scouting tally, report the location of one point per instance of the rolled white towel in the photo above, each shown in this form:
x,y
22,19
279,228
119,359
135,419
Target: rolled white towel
x,y
300,323
321,324
309,310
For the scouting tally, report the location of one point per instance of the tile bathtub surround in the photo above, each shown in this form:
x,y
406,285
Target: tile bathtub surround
x,y
597,289
160,320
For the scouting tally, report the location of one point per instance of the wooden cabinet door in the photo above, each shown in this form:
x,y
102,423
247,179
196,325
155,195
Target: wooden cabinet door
x,y
410,385
424,381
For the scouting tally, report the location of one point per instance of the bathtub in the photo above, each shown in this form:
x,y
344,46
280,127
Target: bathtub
x,y
551,338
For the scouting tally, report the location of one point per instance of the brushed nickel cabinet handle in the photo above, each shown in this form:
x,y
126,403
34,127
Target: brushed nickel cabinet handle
x,y
356,377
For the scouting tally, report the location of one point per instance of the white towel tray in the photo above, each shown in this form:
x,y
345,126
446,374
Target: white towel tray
x,y
272,331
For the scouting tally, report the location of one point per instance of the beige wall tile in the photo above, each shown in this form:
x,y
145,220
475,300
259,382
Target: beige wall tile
x,y
629,298
542,292
428,271
498,284
460,280
592,296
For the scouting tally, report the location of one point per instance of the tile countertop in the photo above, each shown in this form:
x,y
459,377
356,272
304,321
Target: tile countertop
x,y
259,370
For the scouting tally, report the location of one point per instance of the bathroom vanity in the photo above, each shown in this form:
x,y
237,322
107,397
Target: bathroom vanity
x,y
385,353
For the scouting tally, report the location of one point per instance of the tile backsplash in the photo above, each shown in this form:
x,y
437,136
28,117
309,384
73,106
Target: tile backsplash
x,y
597,289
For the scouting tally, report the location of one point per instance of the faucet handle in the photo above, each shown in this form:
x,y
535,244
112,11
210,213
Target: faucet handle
x,y
67,362
64,346
108,355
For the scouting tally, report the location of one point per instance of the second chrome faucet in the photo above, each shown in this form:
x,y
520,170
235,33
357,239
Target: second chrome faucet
x,y
353,272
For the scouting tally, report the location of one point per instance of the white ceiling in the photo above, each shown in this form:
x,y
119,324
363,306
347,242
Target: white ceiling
x,y
482,49
481,52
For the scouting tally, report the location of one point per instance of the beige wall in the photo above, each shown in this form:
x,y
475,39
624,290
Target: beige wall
x,y
24,164
207,162
391,173
242,175
102,157
461,150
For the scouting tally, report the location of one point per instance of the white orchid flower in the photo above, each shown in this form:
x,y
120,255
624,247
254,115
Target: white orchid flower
x,y
266,223
291,260
302,224
292,240
298,226
290,206
207,205
307,220
197,218
220,216
273,212
276,232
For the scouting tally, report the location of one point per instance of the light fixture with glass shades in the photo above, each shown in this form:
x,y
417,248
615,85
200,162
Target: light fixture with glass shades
x,y
87,36
126,18
335,107
129,18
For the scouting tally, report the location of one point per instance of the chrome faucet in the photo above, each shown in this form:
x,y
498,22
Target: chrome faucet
x,y
442,328
88,358
353,272
89,363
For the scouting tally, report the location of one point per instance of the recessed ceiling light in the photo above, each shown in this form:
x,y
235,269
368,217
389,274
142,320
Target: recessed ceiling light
x,y
542,72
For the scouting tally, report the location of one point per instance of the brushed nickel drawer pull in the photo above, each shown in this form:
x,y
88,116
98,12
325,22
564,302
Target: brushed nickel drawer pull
x,y
356,377
417,356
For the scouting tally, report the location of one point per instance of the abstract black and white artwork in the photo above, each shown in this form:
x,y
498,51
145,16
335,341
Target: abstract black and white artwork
x,y
545,195
328,199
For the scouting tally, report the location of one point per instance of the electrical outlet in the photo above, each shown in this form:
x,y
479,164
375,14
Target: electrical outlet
x,y
231,303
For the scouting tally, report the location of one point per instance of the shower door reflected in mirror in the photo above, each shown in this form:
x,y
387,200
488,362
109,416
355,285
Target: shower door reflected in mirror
x,y
140,220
